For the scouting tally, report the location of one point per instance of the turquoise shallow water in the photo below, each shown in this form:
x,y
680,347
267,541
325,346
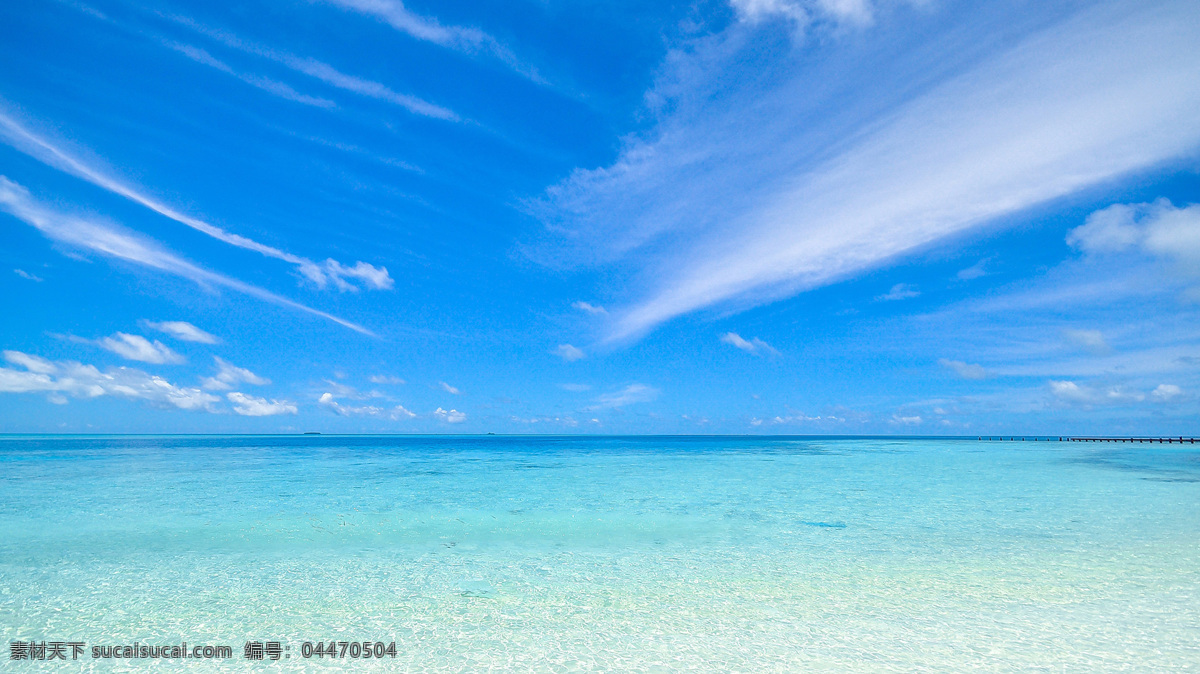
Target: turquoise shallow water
x,y
612,554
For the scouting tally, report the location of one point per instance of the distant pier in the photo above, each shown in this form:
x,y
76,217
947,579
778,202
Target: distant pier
x,y
1042,438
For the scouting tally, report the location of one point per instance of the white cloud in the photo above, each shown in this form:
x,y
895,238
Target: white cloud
x,y
754,346
34,364
590,308
323,72
575,388
1158,228
1166,392
975,271
229,376
801,418
43,150
450,416
632,394
136,347
26,275
384,379
900,291
182,330
373,277
906,420
964,370
250,406
569,353
112,241
1109,230
327,401
449,389
732,200
804,12
464,39
1070,392
1088,340
569,422
86,381
267,84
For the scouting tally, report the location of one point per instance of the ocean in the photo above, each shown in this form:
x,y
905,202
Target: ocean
x,y
557,554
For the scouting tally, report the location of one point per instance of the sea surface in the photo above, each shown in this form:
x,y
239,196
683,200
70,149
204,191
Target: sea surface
x,y
617,554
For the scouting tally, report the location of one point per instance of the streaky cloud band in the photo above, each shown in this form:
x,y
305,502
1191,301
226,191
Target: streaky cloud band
x,y
112,242
1106,92
20,137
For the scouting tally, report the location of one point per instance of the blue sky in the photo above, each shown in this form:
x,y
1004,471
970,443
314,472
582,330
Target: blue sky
x,y
750,216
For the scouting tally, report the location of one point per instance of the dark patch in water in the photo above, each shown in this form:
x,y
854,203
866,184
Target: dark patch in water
x,y
1157,464
736,514
826,525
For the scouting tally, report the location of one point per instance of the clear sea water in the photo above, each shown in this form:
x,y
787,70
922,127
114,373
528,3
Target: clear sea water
x,y
608,554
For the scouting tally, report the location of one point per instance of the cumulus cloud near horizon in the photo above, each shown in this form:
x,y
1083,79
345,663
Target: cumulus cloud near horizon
x,y
250,406
1072,393
329,401
77,380
450,416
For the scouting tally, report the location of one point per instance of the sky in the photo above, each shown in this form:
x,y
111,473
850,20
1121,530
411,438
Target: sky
x,y
911,217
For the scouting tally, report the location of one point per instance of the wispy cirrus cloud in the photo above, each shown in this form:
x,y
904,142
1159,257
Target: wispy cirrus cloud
x,y
803,13
1091,341
228,376
111,241
630,395
318,70
977,270
459,38
588,308
52,154
182,330
963,369
27,276
385,379
741,198
900,291
267,84
136,347
569,353
753,345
